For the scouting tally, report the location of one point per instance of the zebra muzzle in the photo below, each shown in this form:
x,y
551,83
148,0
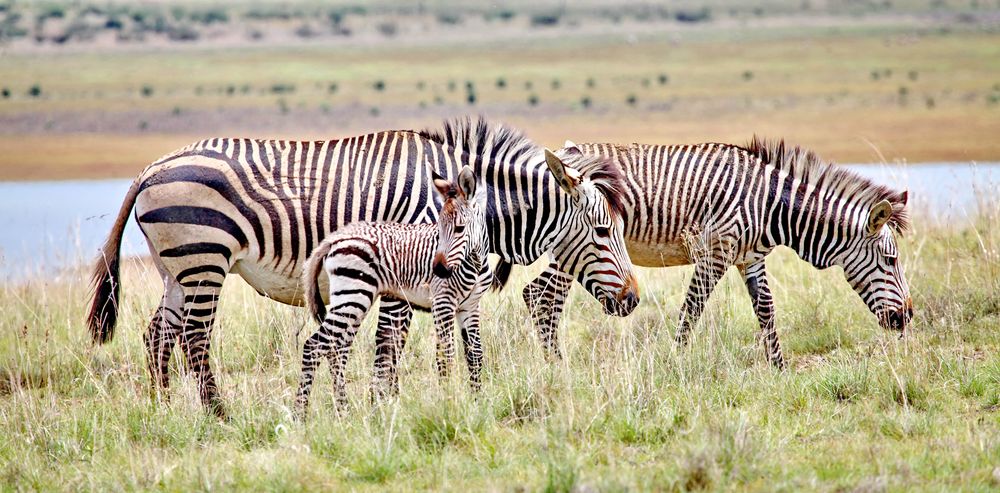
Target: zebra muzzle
x,y
440,266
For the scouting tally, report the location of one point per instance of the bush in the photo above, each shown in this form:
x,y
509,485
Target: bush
x,y
502,14
35,90
5,92
282,88
388,28
379,85
662,79
747,75
693,15
591,82
452,86
332,87
631,100
305,31
556,84
211,16
146,91
533,100
528,85
501,83
373,111
449,18
471,98
421,85
585,102
182,33
545,20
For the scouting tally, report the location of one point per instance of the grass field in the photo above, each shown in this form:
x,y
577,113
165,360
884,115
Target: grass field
x,y
854,90
858,409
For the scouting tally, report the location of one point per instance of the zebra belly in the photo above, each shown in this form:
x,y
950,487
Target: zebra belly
x,y
420,297
658,254
275,284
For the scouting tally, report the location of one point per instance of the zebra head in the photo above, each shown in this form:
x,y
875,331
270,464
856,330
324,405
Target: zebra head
x,y
591,246
462,223
872,267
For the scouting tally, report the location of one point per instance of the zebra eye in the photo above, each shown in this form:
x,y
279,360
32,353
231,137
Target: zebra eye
x,y
602,231
459,228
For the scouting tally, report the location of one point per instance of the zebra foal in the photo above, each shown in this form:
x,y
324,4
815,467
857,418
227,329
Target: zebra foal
x,y
440,266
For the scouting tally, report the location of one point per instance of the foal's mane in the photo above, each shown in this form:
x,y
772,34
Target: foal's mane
x,y
810,168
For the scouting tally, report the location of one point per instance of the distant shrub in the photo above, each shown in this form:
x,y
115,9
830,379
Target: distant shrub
x,y
283,106
903,91
471,98
210,16
422,104
306,31
747,75
591,82
662,79
929,102
35,90
282,88
245,89
528,85
644,82
631,100
876,75
421,85
379,85
388,28
556,84
452,86
332,87
113,23
143,125
176,111
449,18
230,90
501,83
585,102
533,100
692,16
502,14
275,12
545,20
5,92
146,91
913,75
373,111
438,100
182,33
469,85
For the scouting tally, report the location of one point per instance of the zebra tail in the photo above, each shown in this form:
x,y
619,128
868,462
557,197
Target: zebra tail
x,y
310,281
103,314
501,274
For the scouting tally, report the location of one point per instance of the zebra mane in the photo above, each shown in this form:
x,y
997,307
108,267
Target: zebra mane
x,y
472,135
809,167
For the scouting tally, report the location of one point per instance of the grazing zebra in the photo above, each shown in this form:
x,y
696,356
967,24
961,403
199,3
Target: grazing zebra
x,y
717,205
257,208
441,267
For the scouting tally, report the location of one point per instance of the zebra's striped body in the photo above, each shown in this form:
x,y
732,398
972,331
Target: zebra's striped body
x,y
258,208
442,268
718,205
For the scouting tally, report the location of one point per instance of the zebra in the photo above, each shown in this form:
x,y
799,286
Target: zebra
x,y
442,267
257,208
719,205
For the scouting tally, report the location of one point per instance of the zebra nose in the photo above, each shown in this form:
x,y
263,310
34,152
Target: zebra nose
x,y
440,267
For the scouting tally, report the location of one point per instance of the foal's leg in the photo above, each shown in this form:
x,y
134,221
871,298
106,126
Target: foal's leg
x,y
443,310
333,339
755,278
468,320
394,320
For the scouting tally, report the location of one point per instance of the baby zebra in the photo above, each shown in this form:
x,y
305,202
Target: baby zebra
x,y
367,260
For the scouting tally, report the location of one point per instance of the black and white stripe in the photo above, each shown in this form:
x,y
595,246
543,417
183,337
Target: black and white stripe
x,y
440,267
719,205
257,208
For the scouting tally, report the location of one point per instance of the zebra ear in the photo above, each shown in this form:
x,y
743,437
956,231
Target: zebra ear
x,y
444,187
467,182
879,215
558,169
571,149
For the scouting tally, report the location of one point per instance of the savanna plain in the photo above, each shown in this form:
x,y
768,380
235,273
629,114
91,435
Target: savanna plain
x,y
857,409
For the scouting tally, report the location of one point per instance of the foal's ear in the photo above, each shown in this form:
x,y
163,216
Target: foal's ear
x,y
444,187
558,169
467,182
879,215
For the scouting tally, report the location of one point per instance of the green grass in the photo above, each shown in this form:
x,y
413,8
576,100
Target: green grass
x,y
625,409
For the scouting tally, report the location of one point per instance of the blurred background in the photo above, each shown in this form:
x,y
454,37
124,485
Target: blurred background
x,y
98,90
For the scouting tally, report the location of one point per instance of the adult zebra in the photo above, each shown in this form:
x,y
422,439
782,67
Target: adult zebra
x,y
717,205
258,208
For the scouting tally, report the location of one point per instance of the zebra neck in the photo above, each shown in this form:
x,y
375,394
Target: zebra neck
x,y
805,217
521,213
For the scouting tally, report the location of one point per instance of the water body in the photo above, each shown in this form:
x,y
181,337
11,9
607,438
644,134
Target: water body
x,y
48,225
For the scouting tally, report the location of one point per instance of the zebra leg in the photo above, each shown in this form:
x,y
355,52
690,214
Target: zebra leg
x,y
394,320
199,315
468,320
707,272
545,297
443,310
755,277
161,335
